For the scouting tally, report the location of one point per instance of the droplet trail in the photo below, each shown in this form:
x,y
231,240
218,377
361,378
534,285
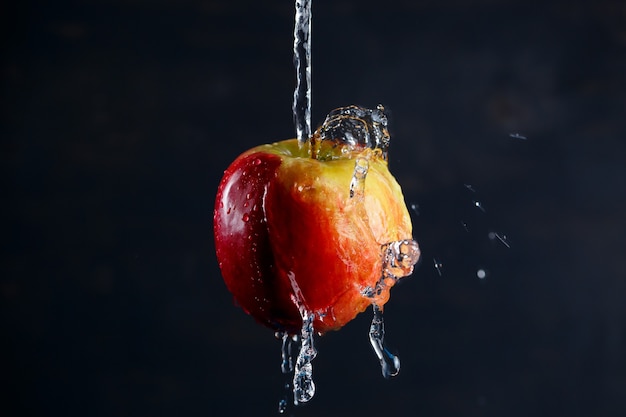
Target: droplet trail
x,y
438,266
502,238
470,187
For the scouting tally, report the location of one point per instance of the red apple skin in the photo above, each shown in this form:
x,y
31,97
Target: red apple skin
x,y
287,234
243,245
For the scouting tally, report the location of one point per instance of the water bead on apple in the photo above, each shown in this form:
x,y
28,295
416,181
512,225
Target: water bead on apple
x,y
309,232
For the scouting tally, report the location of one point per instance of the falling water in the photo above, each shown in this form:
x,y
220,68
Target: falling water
x,y
302,60
389,363
398,260
303,385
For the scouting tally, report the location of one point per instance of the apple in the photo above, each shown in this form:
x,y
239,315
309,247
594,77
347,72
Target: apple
x,y
304,226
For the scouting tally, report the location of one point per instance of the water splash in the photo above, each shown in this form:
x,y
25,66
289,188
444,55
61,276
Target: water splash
x,y
303,385
302,60
389,363
357,127
399,258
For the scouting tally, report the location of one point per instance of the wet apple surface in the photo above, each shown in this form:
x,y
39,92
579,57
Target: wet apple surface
x,y
308,226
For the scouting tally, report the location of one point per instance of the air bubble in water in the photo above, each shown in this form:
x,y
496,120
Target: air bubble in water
x,y
389,363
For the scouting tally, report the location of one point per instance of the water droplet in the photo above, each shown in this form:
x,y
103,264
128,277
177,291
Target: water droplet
x,y
245,217
416,208
257,161
389,363
478,205
481,274
517,136
357,184
465,226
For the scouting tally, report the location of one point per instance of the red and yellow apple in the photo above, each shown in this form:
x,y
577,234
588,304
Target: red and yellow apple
x,y
289,235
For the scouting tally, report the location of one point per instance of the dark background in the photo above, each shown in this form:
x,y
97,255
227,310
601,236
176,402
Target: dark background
x,y
119,117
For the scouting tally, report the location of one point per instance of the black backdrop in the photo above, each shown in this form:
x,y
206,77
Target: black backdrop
x,y
119,117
